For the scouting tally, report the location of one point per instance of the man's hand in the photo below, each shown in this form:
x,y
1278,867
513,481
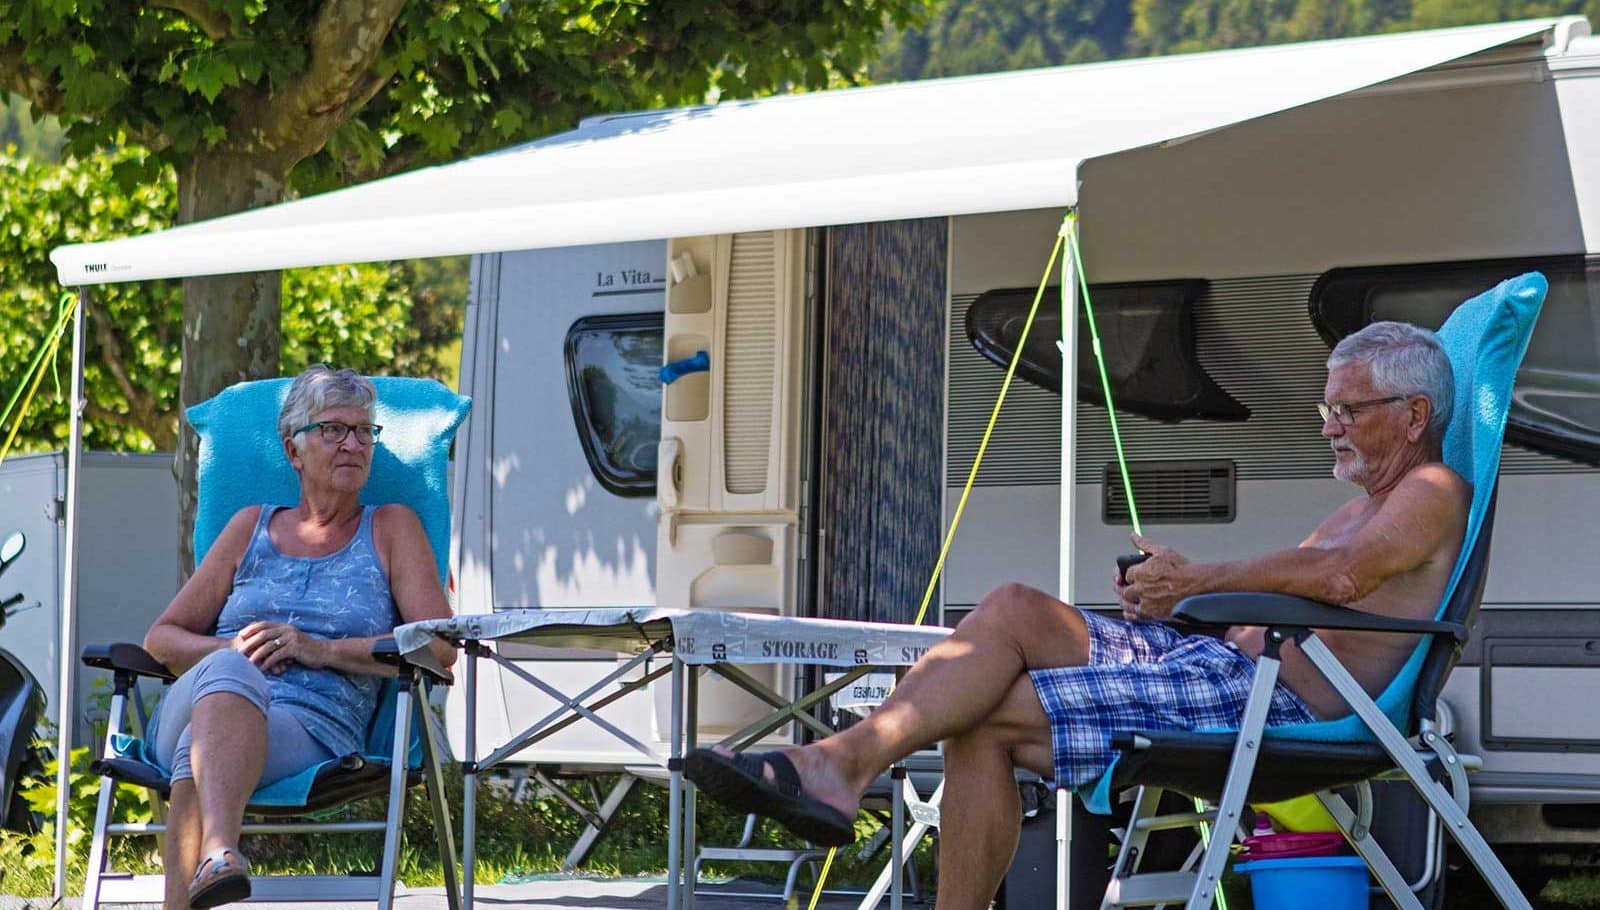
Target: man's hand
x,y
1156,585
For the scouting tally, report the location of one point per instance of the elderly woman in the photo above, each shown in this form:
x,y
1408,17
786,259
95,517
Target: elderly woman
x,y
273,635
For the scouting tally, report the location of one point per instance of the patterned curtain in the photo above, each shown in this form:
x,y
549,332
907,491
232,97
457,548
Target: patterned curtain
x,y
883,413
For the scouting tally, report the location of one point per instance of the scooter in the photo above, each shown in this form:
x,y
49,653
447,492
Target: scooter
x,y
22,703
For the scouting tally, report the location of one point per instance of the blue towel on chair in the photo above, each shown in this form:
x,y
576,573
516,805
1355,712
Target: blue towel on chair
x,y
242,461
295,789
1485,339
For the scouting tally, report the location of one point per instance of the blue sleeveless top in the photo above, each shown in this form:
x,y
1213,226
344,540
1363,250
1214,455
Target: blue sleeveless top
x,y
342,595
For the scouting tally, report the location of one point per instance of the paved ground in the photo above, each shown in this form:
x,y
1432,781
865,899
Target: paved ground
x,y
556,894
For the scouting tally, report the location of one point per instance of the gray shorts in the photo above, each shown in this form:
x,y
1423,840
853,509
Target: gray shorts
x,y
290,749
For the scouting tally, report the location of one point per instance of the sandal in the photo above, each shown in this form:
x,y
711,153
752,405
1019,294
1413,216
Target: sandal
x,y
222,877
738,782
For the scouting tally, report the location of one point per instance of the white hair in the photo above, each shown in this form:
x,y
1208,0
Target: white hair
x,y
319,388
1404,360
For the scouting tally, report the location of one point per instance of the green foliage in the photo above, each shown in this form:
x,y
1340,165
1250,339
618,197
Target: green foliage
x,y
980,36
27,861
452,76
364,316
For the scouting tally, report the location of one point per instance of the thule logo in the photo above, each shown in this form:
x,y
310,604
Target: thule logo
x,y
95,267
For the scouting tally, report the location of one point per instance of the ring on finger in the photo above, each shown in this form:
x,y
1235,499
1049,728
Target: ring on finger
x,y
277,642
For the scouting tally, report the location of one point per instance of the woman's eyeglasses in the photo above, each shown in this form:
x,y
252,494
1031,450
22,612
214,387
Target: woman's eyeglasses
x,y
333,432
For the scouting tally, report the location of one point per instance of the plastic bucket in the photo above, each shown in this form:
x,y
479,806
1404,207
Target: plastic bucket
x,y
1308,883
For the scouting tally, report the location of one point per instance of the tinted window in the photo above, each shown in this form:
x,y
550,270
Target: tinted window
x,y
613,381
1556,405
1147,336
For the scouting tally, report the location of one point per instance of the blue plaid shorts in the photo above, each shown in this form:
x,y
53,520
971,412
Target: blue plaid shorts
x,y
1146,676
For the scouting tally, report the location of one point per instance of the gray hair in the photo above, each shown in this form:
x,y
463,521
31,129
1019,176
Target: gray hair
x,y
319,388
1405,360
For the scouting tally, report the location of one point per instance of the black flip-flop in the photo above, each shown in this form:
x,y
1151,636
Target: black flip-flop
x,y
737,782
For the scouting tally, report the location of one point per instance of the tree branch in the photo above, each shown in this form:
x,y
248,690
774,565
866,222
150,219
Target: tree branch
x,y
142,406
213,22
346,39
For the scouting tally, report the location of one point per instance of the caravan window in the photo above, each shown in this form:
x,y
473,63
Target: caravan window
x,y
1556,406
1146,334
612,379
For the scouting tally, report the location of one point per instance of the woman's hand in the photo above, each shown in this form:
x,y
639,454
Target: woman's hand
x,y
1156,585
273,645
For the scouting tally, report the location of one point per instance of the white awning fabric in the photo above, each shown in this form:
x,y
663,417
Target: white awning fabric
x,y
943,147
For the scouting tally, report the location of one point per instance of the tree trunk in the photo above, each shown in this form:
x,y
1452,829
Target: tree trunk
x,y
230,322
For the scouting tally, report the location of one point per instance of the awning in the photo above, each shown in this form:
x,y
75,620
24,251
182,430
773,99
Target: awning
x,y
943,147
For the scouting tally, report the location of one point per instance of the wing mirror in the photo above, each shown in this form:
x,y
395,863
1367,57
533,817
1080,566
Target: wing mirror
x,y
11,548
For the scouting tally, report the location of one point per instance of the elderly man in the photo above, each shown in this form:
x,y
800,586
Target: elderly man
x,y
1029,682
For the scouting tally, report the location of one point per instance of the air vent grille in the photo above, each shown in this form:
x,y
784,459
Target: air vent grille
x,y
1170,492
750,352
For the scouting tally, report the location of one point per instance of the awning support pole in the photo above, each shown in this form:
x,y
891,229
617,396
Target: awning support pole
x,y
68,654
1069,481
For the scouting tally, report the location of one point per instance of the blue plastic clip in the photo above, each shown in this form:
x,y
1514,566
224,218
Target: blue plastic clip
x,y
676,370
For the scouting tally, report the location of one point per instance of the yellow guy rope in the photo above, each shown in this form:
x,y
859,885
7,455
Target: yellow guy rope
x,y
47,352
966,491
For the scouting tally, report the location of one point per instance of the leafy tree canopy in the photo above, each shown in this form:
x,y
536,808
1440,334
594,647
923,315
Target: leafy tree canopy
x,y
382,86
365,316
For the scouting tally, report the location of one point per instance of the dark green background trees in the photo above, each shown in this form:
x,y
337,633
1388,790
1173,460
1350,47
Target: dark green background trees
x,y
985,36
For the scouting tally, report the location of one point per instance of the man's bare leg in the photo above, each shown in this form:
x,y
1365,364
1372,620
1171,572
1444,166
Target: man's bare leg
x,y
955,688
980,816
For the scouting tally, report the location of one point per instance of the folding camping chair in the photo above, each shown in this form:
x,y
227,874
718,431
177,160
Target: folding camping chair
x,y
1392,735
241,463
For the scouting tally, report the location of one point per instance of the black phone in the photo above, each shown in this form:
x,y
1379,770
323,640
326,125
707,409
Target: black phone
x,y
1124,563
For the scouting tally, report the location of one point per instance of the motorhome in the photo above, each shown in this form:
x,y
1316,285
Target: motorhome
x,y
742,356
812,465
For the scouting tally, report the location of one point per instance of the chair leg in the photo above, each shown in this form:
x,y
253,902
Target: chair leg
x,y
97,846
1451,813
1240,770
108,788
433,773
1133,840
397,798
1367,847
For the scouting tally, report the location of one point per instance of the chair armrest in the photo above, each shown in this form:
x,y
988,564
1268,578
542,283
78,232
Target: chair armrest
x,y
386,651
123,657
1244,608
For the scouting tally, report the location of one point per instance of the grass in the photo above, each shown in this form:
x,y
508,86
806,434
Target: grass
x,y
518,836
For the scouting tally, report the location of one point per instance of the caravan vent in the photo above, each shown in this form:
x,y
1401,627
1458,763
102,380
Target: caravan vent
x,y
749,356
1170,492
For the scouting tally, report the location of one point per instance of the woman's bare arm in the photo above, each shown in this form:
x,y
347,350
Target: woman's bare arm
x,y
181,635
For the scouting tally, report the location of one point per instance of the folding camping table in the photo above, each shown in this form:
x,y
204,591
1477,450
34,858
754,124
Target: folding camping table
x,y
715,640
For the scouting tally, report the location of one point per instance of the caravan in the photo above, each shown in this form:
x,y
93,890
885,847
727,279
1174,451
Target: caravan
x,y
813,467
743,356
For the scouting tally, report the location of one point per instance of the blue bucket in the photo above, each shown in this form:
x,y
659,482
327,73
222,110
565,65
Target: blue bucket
x,y
1308,883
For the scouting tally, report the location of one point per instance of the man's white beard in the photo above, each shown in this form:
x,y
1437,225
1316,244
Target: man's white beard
x,y
1352,471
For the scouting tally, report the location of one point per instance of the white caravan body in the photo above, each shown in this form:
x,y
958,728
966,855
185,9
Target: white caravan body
x,y
1492,159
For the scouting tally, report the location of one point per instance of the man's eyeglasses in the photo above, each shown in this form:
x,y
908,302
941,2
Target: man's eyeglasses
x,y
1345,411
333,432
